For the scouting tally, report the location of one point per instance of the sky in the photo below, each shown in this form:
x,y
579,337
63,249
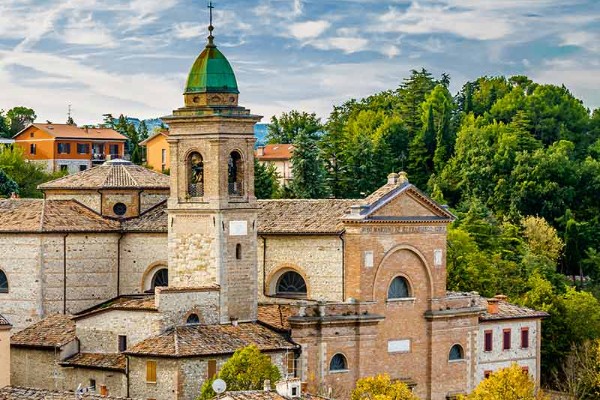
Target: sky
x,y
132,56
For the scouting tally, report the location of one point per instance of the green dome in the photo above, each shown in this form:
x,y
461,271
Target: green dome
x,y
211,73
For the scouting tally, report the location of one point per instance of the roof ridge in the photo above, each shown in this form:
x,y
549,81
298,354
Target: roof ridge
x,y
43,215
135,183
176,340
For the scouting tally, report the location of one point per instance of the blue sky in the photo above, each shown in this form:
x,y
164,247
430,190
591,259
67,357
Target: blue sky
x,y
132,56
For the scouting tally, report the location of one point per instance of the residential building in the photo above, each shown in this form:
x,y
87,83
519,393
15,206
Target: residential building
x,y
278,155
63,147
157,151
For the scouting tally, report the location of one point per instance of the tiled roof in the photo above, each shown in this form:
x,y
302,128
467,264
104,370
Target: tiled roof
x,y
22,393
53,331
109,361
134,302
302,216
276,315
111,175
510,311
263,395
64,131
153,220
161,133
4,322
201,340
276,152
36,215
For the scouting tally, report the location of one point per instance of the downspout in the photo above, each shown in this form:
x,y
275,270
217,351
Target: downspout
x,y
121,234
343,266
127,374
264,239
65,273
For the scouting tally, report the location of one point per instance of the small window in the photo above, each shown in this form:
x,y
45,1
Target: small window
x,y
525,370
113,150
291,364
292,284
64,148
487,374
160,278
83,148
524,338
82,167
338,363
238,251
92,386
195,175
488,338
164,156
212,369
3,282
506,339
64,168
120,209
31,134
122,343
32,148
193,319
235,174
456,353
399,288
151,371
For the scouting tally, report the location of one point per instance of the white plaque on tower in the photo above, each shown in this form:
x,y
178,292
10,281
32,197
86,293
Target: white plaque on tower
x,y
238,228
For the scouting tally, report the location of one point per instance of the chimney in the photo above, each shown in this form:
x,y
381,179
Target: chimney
x,y
234,321
260,151
86,129
289,388
501,297
103,390
402,177
492,306
267,385
392,178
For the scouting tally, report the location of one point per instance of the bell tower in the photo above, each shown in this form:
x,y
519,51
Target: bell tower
x,y
212,207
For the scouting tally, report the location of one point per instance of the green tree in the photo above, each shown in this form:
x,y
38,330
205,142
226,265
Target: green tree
x,y
308,170
381,387
266,183
4,125
19,118
25,174
7,185
287,127
412,93
506,384
247,369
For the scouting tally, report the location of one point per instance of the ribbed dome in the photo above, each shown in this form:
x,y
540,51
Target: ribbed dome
x,y
211,73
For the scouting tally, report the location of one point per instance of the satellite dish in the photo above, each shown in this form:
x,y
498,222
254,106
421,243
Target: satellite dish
x,y
219,386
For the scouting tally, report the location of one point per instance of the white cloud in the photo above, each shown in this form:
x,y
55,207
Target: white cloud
x,y
188,30
84,30
308,29
346,44
390,50
586,40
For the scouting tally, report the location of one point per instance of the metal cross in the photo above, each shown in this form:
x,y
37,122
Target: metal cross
x,y
210,8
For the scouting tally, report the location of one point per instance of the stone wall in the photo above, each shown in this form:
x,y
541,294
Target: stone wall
x,y
149,199
166,386
36,368
317,258
73,165
89,198
175,305
142,254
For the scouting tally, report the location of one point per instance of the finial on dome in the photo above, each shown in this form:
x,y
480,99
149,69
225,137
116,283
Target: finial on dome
x,y
211,28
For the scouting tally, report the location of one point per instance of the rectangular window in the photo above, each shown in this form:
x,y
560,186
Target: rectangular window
x,y
506,339
82,167
488,337
524,338
151,371
122,343
64,148
83,148
291,364
212,368
113,150
486,374
92,385
32,148
164,156
64,168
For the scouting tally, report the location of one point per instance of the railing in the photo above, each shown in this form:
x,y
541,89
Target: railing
x,y
196,189
236,189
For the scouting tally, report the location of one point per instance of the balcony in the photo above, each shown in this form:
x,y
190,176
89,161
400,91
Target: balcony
x,y
99,158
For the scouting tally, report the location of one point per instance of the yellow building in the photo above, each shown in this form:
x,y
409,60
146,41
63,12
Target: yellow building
x,y
157,151
4,351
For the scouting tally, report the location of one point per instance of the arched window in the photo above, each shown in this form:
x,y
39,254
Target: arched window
x,y
160,278
235,174
291,283
193,319
238,251
399,288
338,363
195,175
3,282
456,353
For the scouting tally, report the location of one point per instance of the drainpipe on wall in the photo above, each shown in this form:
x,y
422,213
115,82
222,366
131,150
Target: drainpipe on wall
x,y
121,234
264,267
127,374
343,266
65,273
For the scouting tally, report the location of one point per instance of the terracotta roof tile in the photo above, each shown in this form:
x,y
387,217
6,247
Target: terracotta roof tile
x,y
33,215
262,395
302,216
53,331
510,311
23,393
64,131
200,340
276,315
115,174
275,152
153,220
134,302
110,361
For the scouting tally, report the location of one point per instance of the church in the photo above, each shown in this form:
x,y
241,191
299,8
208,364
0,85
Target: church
x,y
141,285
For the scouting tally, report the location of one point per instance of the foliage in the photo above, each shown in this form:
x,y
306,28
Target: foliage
x,y
287,127
266,184
26,175
7,185
580,374
19,118
381,387
506,384
4,125
308,170
247,369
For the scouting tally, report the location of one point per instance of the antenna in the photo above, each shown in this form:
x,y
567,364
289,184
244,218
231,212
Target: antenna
x,y
69,112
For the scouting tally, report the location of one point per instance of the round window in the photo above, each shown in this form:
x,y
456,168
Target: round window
x,y
120,209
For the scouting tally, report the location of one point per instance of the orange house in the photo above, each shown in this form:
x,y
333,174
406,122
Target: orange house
x,y
280,156
157,151
62,147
